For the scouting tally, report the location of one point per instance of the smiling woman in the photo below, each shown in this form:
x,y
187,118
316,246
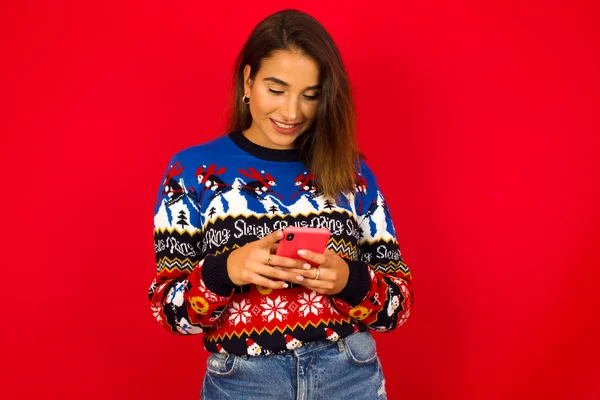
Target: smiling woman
x,y
283,99
281,327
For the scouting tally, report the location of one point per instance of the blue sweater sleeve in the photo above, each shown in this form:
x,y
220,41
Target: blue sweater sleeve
x,y
190,290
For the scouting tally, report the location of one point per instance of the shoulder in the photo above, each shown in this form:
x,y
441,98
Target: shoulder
x,y
219,151
366,172
200,152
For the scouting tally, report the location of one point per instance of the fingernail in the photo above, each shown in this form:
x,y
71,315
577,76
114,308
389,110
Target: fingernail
x,y
307,266
299,278
279,234
302,252
285,285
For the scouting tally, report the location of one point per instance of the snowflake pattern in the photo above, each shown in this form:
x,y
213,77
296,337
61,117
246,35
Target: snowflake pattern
x,y
239,312
310,303
274,308
330,306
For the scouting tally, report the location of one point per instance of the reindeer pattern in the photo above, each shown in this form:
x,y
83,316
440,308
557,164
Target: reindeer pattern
x,y
216,191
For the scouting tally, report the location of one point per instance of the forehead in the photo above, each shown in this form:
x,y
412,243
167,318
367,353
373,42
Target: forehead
x,y
291,67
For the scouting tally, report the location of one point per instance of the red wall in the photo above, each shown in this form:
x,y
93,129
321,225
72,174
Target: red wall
x,y
481,121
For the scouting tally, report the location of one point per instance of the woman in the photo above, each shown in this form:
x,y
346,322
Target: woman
x,y
276,327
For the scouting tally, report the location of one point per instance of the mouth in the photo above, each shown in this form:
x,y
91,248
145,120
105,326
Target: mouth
x,y
285,128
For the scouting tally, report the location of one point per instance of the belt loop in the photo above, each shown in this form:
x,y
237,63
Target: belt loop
x,y
340,344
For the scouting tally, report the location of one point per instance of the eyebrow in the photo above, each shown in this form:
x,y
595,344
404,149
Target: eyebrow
x,y
282,83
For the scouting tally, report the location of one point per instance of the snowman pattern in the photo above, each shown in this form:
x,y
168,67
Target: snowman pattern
x,y
394,293
331,335
291,342
393,305
252,348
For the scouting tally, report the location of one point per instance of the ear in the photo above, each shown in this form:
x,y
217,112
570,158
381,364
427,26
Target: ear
x,y
247,80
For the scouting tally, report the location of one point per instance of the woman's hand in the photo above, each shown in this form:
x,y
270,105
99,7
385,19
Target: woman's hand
x,y
254,263
329,278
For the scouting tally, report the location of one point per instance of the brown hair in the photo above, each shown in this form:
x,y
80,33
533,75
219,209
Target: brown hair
x,y
329,148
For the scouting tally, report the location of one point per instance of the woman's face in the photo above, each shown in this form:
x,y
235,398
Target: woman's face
x,y
283,99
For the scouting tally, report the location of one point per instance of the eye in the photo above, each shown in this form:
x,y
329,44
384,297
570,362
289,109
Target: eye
x,y
315,97
277,92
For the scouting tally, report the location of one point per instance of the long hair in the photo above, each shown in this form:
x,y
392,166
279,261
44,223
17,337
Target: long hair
x,y
329,148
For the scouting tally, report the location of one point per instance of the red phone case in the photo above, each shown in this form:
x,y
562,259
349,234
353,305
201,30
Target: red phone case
x,y
313,239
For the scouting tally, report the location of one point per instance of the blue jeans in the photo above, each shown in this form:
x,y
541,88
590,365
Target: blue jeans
x,y
346,369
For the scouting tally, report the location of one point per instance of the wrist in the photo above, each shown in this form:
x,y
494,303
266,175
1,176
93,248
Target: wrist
x,y
215,274
358,284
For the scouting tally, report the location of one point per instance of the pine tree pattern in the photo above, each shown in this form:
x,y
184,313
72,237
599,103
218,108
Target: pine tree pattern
x,y
182,221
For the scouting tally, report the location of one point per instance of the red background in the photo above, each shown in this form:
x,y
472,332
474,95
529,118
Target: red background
x,y
481,121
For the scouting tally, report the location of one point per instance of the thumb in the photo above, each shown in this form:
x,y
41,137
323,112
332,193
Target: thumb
x,y
271,238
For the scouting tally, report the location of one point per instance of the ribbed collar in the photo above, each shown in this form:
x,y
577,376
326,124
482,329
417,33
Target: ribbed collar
x,y
261,152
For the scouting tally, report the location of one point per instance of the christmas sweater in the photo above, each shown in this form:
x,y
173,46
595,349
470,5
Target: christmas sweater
x,y
218,196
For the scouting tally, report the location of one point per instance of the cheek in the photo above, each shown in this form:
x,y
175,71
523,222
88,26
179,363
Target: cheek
x,y
309,110
264,100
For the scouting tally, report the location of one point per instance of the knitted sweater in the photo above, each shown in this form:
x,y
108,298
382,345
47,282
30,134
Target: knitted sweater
x,y
220,195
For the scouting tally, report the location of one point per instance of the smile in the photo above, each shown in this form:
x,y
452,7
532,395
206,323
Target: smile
x,y
284,126
286,129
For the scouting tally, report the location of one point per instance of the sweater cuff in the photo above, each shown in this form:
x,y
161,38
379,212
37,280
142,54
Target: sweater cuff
x,y
359,283
215,276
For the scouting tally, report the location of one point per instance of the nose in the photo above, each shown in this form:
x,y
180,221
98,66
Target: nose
x,y
289,110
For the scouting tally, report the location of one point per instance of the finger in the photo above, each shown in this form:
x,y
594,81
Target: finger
x,y
272,273
273,248
260,280
316,258
271,238
319,286
304,274
287,262
311,273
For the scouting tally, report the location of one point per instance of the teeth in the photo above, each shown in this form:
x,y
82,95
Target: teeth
x,y
283,126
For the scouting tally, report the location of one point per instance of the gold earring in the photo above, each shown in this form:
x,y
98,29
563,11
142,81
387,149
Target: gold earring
x,y
245,99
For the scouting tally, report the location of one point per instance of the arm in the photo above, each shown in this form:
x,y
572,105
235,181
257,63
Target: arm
x,y
190,290
379,290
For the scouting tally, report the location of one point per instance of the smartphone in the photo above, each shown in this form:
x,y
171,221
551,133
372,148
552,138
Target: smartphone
x,y
296,238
